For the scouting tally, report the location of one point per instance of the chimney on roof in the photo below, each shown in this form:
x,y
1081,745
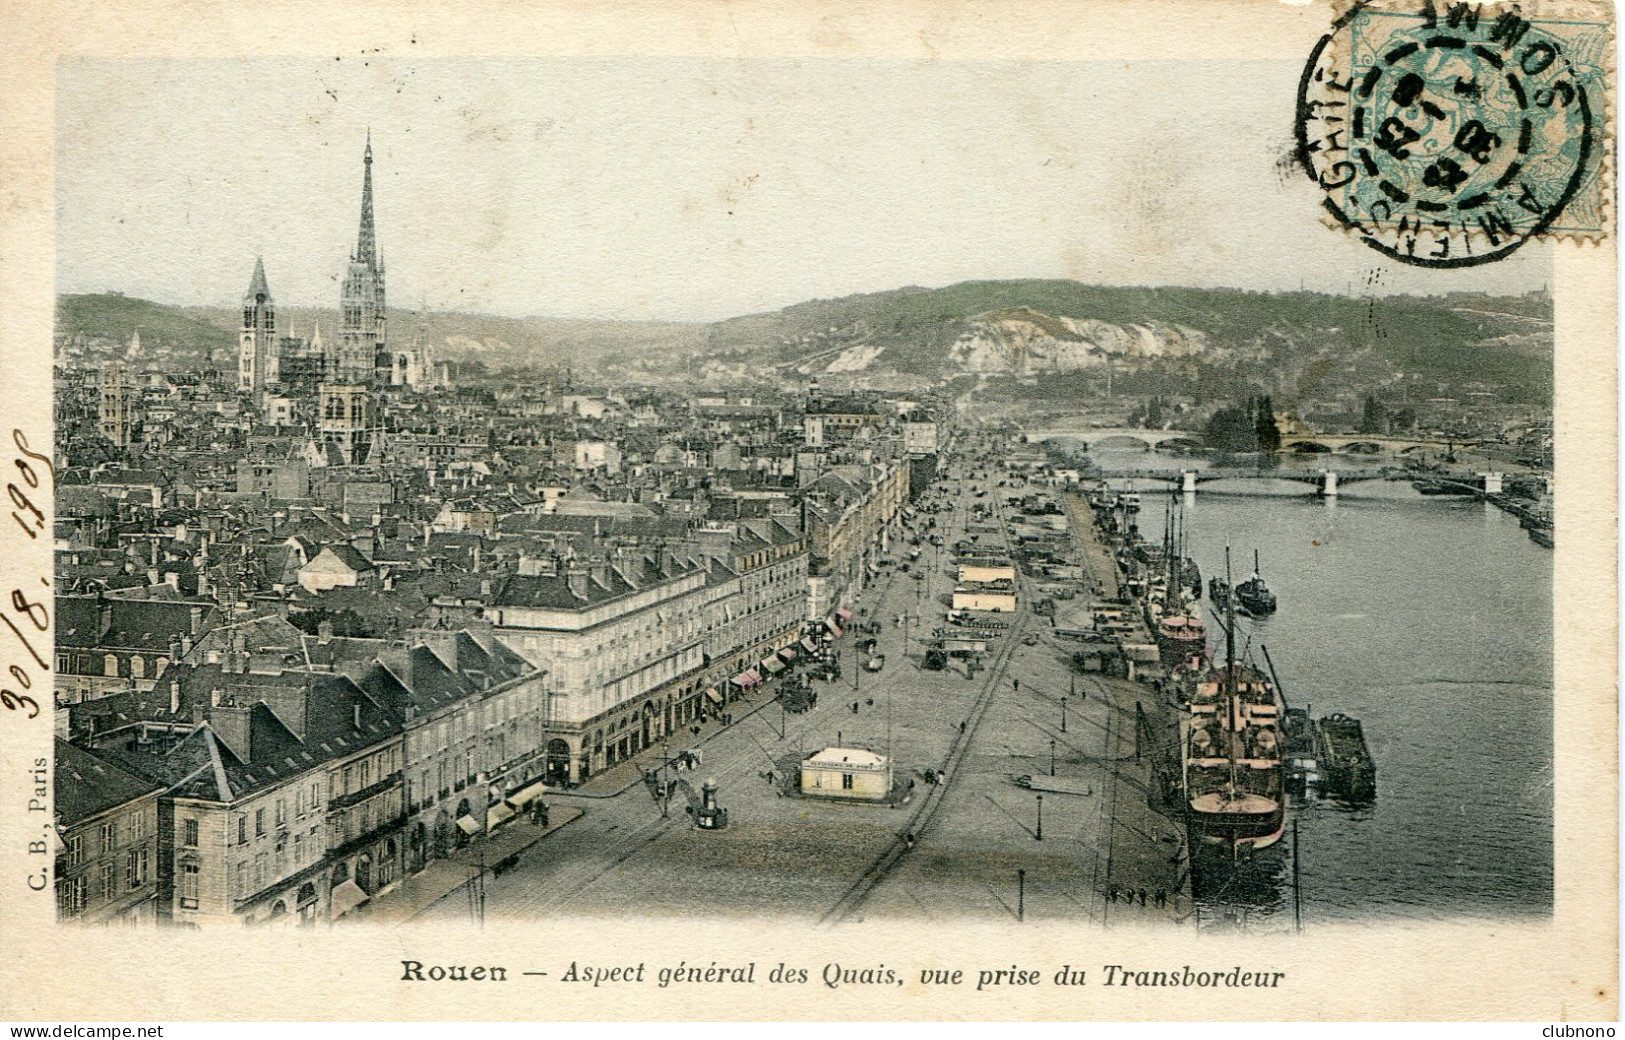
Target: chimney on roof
x,y
186,644
174,698
152,576
575,576
355,718
196,620
214,697
236,654
324,633
234,726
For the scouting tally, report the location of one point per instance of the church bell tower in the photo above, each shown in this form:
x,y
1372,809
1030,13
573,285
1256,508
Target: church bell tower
x,y
363,339
256,341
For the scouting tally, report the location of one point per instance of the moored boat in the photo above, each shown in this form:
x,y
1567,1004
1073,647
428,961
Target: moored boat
x,y
1253,594
1180,637
1345,758
1232,756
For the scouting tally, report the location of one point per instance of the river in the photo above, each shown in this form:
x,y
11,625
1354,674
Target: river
x,y
1430,620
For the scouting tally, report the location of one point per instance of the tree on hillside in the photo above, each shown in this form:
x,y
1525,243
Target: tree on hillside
x,y
1268,433
1374,417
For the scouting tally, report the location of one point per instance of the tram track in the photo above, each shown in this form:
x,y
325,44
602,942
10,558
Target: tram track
x,y
879,869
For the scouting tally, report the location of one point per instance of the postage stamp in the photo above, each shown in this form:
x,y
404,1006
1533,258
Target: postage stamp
x,y
1450,135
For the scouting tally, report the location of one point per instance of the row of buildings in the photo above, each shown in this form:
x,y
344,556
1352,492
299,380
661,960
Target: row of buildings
x,y
329,617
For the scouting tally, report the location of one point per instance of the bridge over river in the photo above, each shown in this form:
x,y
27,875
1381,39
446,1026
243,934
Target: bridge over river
x,y
1299,443
1325,481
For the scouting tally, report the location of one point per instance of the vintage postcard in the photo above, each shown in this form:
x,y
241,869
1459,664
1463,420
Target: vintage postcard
x,y
1079,510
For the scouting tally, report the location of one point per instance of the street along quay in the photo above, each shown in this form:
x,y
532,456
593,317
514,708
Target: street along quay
x,y
1021,786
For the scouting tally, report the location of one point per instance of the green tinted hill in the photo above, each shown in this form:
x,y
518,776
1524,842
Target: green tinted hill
x,y
112,316
1462,336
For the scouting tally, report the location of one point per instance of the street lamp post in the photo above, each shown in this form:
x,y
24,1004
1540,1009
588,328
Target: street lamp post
x,y
1063,714
665,767
1021,895
1038,835
1052,758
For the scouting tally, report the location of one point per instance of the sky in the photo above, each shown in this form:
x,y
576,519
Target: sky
x,y
694,189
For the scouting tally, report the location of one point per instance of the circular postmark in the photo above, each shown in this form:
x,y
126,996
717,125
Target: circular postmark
x,y
1443,136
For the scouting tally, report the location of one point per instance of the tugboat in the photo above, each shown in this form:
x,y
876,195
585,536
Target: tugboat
x,y
1254,595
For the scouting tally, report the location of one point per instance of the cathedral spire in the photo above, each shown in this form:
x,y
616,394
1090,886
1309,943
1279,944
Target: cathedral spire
x,y
257,286
366,245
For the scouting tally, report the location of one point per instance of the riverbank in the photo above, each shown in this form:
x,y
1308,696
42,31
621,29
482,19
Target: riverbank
x,y
1145,845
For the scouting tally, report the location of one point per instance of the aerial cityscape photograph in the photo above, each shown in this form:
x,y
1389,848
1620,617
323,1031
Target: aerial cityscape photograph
x,y
769,489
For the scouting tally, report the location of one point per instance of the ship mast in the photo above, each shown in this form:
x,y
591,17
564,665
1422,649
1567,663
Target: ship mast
x,y
1230,672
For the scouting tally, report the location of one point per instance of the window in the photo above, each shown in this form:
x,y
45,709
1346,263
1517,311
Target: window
x,y
190,839
189,886
240,880
138,667
135,867
109,879
259,823
366,775
242,830
846,781
76,850
76,896
110,664
109,836
281,811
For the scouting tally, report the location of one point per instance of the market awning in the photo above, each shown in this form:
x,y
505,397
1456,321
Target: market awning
x,y
500,813
787,653
469,825
713,696
772,665
347,897
835,630
522,798
844,614
747,678
808,645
